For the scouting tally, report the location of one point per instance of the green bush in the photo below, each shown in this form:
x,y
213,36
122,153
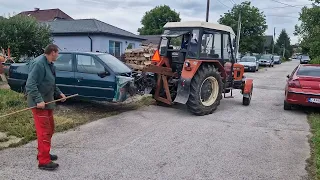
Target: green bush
x,y
315,60
283,59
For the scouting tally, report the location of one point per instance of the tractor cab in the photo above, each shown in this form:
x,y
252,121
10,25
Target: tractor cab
x,y
195,64
197,41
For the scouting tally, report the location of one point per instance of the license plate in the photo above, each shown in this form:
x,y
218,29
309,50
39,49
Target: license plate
x,y
314,100
246,67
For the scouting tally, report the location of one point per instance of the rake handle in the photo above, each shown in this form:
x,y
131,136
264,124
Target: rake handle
x,y
36,106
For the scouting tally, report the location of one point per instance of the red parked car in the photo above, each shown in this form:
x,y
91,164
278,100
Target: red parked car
x,y
303,87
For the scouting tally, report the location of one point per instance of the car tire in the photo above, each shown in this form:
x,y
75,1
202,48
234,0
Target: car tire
x,y
287,106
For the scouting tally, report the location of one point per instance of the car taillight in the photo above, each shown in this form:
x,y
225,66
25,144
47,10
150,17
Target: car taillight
x,y
294,83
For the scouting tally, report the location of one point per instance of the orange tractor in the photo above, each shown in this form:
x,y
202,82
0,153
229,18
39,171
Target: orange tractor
x,y
195,65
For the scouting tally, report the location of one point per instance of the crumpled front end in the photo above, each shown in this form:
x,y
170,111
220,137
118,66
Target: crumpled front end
x,y
125,88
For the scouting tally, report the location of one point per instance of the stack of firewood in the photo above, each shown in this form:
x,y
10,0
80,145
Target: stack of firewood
x,y
138,58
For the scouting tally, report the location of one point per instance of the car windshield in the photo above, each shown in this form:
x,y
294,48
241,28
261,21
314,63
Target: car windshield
x,y
267,57
304,57
313,71
115,64
248,59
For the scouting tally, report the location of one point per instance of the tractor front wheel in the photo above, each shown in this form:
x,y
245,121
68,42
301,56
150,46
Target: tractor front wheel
x,y
206,91
246,100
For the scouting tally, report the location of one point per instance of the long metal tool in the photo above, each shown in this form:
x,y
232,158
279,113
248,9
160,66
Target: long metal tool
x,y
36,106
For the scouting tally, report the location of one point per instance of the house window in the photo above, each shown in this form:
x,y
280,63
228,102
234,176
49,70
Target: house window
x,y
130,46
115,48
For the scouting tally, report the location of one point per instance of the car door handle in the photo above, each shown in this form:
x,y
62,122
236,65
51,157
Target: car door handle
x,y
79,79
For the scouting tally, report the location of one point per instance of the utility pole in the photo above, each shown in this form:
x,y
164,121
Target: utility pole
x,y
238,37
284,49
274,36
208,9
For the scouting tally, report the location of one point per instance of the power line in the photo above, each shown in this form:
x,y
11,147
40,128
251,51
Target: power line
x,y
295,6
283,3
283,16
224,4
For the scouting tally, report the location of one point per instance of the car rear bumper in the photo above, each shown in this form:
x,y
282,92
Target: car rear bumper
x,y
16,84
300,98
250,68
264,63
304,61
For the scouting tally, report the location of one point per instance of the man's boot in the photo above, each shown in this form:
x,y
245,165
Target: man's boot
x,y
52,157
49,167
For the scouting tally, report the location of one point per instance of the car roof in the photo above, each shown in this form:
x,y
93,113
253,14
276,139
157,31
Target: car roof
x,y
248,57
80,52
313,65
201,24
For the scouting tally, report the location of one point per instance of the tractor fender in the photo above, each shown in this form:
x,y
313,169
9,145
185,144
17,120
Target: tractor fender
x,y
248,87
190,68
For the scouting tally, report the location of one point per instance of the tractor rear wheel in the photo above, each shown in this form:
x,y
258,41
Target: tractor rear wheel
x,y
205,91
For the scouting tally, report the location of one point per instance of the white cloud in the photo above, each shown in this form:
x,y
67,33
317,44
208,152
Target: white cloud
x,y
127,14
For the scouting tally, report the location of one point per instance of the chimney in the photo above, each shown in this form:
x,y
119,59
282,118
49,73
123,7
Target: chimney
x,y
36,9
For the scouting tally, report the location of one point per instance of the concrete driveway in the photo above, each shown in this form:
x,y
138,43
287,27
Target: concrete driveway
x,y
261,141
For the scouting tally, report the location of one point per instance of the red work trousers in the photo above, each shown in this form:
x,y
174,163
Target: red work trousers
x,y
44,124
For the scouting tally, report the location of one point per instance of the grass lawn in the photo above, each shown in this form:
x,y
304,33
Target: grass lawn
x,y
67,115
314,161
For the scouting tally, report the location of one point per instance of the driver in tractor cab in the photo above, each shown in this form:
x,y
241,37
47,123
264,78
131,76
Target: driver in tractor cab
x,y
184,44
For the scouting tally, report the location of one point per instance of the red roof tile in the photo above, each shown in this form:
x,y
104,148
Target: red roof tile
x,y
47,14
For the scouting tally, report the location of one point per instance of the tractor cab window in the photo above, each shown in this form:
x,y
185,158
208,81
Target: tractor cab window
x,y
180,41
211,46
193,45
228,49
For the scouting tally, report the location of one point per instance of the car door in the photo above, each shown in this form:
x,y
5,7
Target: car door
x,y
91,82
64,66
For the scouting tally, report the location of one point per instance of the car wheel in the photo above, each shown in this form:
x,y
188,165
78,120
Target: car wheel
x,y
286,105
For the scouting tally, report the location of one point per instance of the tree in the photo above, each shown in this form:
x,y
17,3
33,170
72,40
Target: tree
x,y
24,36
283,42
253,24
154,20
309,29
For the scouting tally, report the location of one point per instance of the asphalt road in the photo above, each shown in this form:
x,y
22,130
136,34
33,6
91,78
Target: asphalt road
x,y
261,141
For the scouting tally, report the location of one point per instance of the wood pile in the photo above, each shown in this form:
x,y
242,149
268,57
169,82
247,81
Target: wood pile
x,y
138,58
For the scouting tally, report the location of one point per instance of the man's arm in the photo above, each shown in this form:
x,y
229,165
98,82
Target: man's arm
x,y
57,91
34,78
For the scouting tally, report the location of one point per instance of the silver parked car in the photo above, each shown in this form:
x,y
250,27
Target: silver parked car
x,y
304,59
250,63
266,60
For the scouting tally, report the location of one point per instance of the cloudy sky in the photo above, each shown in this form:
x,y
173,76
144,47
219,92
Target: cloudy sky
x,y
127,14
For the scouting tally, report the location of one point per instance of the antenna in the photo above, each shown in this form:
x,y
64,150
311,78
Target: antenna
x,y
238,35
208,9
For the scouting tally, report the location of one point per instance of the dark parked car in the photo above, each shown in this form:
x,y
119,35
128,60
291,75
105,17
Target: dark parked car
x,y
94,76
277,59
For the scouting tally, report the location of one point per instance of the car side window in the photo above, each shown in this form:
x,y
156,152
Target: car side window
x,y
88,64
64,62
294,71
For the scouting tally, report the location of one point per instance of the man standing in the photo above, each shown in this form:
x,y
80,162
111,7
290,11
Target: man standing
x,y
41,88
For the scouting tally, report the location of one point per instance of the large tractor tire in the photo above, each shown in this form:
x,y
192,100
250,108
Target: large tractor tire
x,y
205,91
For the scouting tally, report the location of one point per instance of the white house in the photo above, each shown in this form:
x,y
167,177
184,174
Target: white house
x,y
92,35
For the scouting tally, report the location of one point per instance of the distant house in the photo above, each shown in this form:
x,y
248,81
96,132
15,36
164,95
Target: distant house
x,y
151,39
92,35
47,14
